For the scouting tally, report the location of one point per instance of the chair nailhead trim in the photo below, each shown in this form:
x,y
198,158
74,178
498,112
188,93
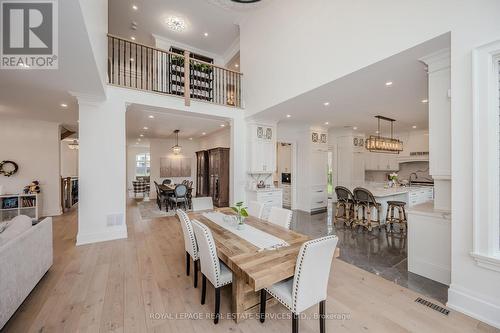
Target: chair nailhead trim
x,y
213,252
185,219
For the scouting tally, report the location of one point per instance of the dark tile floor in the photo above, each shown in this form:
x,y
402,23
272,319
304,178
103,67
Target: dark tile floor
x,y
378,253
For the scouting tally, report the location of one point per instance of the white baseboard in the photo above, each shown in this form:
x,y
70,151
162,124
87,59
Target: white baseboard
x,y
115,233
473,305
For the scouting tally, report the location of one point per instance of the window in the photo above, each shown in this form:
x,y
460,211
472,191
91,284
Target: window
x,y
142,164
486,146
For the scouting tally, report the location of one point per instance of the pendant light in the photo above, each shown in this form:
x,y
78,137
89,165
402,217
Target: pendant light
x,y
176,149
380,144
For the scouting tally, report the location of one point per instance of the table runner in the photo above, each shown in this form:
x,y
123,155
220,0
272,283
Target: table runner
x,y
259,238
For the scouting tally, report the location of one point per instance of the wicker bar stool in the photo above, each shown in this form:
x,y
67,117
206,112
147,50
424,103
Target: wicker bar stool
x,y
345,200
401,219
365,201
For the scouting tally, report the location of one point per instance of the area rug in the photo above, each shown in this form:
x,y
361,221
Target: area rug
x,y
149,210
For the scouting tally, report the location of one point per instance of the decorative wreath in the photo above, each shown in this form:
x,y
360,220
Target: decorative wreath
x,y
8,171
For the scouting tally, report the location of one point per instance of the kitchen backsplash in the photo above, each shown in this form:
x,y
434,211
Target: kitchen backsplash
x,y
405,169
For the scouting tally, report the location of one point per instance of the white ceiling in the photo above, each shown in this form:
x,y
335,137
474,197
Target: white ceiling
x,y
356,98
211,16
164,123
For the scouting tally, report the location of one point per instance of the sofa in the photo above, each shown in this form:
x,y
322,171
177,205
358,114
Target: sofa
x,y
26,254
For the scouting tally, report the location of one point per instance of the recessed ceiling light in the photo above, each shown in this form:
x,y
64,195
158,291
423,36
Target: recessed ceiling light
x,y
176,23
289,116
377,132
222,125
354,128
327,123
64,105
205,34
326,103
191,139
425,101
134,7
203,133
142,135
151,117
388,83
132,37
145,128
414,126
236,65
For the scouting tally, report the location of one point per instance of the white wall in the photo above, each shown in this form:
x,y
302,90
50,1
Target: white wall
x,y
162,148
349,35
132,151
220,138
69,160
34,146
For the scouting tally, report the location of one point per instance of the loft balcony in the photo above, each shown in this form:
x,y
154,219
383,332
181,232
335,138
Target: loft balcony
x,y
142,67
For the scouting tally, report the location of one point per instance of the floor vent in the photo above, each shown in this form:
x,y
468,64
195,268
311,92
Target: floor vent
x,y
433,306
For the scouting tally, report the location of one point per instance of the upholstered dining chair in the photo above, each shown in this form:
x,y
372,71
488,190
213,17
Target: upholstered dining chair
x,y
202,203
189,244
211,267
180,196
309,283
166,182
281,217
255,209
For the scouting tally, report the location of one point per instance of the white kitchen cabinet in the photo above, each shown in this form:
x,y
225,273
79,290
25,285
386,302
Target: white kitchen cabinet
x,y
269,198
420,195
381,162
262,148
287,195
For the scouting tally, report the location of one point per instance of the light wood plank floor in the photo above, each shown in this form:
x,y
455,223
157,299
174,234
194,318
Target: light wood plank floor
x,y
139,285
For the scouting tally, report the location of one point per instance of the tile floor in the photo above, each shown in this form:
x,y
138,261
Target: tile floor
x,y
378,253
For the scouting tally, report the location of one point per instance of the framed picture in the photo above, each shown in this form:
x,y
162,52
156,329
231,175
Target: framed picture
x,y
355,142
260,132
315,137
269,133
323,138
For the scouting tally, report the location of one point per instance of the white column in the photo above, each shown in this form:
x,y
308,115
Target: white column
x,y
238,166
440,126
102,166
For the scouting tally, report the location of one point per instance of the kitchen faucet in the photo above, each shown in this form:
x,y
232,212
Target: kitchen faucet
x,y
411,174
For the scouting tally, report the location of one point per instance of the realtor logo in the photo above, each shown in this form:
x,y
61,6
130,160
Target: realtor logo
x,y
29,34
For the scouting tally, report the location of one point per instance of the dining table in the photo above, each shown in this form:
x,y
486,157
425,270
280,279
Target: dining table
x,y
253,267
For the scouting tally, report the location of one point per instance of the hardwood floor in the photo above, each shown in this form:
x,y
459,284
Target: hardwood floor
x,y
139,285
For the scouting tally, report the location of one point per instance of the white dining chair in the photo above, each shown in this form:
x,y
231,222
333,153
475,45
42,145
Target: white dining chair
x,y
255,209
202,203
190,244
309,284
281,217
211,267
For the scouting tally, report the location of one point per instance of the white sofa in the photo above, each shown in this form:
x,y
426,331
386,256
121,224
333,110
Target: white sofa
x,y
25,256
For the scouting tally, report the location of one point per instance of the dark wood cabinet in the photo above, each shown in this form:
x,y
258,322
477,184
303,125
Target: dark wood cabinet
x,y
218,170
202,175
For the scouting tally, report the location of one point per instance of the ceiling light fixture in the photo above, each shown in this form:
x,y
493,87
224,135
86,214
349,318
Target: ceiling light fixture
x,y
145,128
151,117
236,65
74,145
134,7
64,105
388,83
222,125
205,34
380,144
327,123
425,101
354,128
414,126
132,37
203,133
289,116
190,139
142,135
175,23
176,149
326,103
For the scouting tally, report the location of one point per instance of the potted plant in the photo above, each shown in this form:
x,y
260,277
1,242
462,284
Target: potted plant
x,y
394,179
242,213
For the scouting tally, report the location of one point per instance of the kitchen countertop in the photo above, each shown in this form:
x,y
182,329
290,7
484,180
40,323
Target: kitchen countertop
x,y
427,208
380,191
271,189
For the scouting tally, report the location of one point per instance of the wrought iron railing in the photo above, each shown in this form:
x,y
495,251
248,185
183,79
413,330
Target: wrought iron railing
x,y
138,66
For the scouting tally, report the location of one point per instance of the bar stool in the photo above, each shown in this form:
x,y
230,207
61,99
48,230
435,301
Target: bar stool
x,y
345,200
401,220
366,202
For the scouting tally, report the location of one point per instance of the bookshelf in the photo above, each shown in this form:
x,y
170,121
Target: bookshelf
x,y
12,205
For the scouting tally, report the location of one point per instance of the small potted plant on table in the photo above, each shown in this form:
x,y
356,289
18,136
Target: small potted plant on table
x,y
242,213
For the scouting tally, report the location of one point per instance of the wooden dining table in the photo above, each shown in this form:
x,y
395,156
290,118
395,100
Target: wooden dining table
x,y
253,269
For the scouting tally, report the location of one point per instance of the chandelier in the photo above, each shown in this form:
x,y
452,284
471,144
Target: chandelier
x,y
380,144
176,23
74,145
176,149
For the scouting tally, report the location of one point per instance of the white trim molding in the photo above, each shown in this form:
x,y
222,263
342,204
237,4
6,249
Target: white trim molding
x,y
486,148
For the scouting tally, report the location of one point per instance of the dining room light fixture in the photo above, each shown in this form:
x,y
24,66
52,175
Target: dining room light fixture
x,y
388,83
326,103
177,149
380,144
74,145
176,23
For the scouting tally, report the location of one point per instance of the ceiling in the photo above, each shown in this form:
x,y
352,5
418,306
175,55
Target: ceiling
x,y
218,18
164,123
37,93
355,99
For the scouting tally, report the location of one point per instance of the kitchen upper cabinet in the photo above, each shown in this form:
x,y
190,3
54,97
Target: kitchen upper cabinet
x,y
262,152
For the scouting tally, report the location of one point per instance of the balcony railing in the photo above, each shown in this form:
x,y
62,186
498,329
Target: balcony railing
x,y
138,66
